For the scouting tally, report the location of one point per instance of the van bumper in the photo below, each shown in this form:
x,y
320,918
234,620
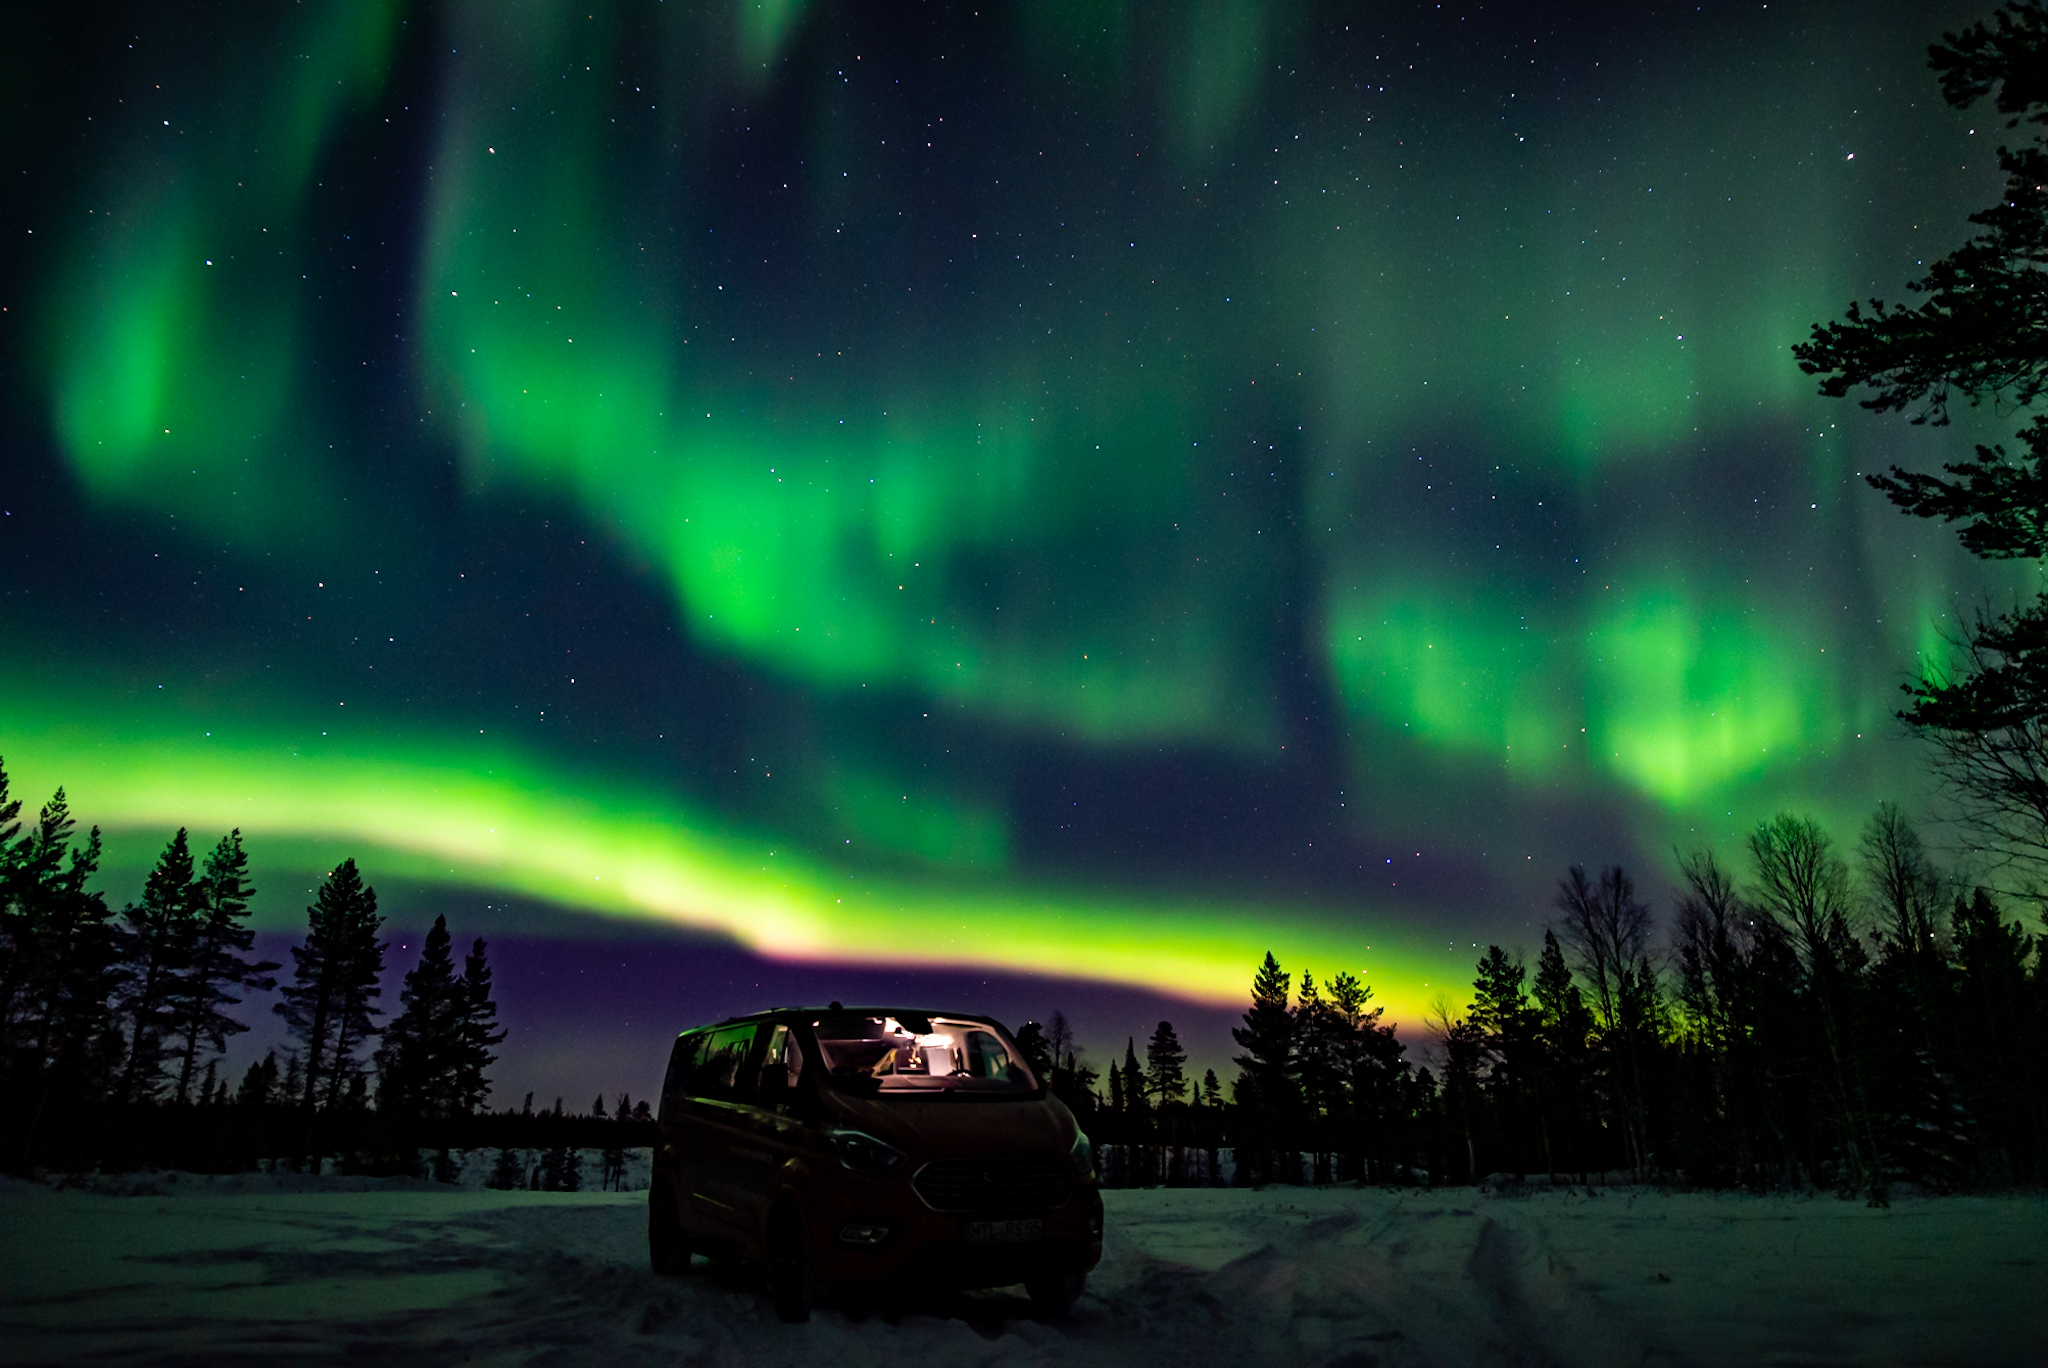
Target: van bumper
x,y
926,1248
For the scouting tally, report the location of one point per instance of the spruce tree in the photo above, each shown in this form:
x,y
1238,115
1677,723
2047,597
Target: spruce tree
x,y
330,1005
1507,1039
1565,1027
507,1172
1912,988
1319,1055
218,969
1369,1063
1267,1038
159,939
1036,1049
15,946
2003,1073
259,1085
1265,1087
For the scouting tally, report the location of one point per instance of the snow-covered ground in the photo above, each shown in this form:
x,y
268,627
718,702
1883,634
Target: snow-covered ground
x,y
285,1268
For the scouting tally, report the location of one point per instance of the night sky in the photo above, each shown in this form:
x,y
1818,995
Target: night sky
x,y
1028,507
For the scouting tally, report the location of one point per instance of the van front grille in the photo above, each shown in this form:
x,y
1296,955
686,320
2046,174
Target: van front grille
x,y
1015,1184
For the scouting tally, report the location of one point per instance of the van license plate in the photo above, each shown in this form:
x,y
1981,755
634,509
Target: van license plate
x,y
1005,1232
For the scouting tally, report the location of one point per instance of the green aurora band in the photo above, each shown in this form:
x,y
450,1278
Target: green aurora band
x,y
477,815
1071,402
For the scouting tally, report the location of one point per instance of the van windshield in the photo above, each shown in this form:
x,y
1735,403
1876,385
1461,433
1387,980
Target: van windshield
x,y
911,1054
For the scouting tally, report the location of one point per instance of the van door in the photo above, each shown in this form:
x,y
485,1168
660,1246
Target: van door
x,y
716,1135
772,1130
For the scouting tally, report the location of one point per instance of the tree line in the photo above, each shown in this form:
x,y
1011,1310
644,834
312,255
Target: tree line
x,y
1816,1023
132,1010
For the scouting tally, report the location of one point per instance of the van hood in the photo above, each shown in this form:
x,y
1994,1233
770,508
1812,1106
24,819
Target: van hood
x,y
937,1129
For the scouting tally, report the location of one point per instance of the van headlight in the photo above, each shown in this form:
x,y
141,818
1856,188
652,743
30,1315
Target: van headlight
x,y
863,1153
1082,1155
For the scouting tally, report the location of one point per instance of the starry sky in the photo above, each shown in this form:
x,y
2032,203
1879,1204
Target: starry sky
x,y
1027,506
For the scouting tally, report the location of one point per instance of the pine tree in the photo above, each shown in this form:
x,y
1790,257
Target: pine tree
x,y
1167,1065
420,1057
217,966
1166,1077
62,1040
1977,336
480,1036
161,934
330,1006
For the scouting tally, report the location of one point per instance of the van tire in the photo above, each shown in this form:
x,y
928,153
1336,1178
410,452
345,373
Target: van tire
x,y
668,1253
1053,1294
792,1282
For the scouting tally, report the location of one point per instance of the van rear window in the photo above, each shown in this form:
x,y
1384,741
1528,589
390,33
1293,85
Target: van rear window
x,y
919,1055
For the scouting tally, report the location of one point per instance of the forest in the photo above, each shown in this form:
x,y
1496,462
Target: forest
x,y
1848,1024
1855,1020
113,1026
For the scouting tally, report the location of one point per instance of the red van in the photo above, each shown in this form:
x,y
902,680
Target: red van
x,y
876,1150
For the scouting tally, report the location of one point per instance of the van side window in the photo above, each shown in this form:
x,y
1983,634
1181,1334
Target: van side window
x,y
782,1064
725,1069
682,1063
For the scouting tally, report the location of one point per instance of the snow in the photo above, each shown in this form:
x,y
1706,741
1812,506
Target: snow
x,y
284,1267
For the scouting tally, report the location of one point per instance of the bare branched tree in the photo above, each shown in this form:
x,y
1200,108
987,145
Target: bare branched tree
x,y
1607,931
1805,887
1907,889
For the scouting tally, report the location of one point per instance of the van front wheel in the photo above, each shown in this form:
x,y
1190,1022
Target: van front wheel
x,y
792,1283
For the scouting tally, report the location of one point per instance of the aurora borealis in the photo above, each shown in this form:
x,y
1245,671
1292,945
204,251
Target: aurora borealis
x,y
1093,491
